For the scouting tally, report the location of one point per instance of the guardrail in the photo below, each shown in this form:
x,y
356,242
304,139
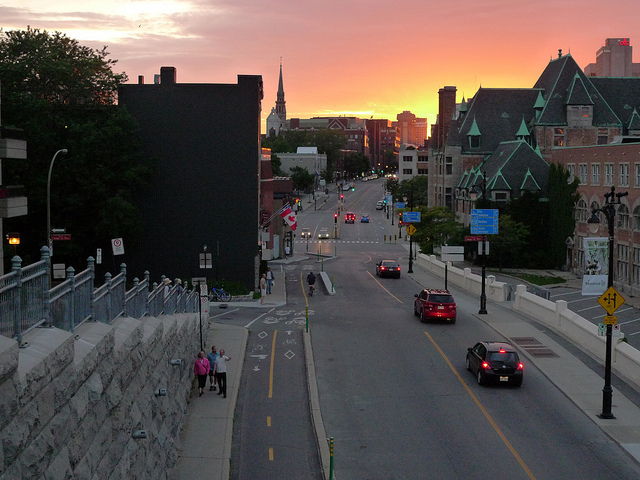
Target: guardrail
x,y
27,300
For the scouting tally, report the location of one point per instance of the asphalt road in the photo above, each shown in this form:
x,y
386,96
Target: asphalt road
x,y
396,397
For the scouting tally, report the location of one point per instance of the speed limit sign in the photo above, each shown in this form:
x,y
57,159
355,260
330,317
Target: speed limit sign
x,y
117,246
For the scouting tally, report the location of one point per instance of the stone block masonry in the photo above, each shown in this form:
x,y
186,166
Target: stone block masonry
x,y
70,403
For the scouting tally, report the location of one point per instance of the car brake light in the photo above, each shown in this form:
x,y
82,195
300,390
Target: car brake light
x,y
383,268
502,350
520,366
398,267
486,365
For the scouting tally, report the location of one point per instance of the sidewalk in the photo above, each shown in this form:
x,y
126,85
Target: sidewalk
x,y
570,375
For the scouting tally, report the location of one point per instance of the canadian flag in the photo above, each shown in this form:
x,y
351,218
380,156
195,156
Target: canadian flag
x,y
289,217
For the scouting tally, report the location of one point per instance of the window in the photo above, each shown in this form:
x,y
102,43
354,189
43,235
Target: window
x,y
635,273
558,137
623,263
501,196
603,136
595,174
608,173
407,171
448,167
423,171
423,158
636,218
624,174
448,198
583,173
407,158
571,168
596,206
581,211
637,183
474,141
623,216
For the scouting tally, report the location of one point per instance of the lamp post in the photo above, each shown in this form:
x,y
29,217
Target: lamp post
x,y
63,151
611,200
473,194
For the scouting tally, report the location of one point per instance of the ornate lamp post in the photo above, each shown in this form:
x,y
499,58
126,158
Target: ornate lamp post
x,y
473,195
62,151
611,200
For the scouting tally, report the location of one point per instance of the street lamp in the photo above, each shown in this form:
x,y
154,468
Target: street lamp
x,y
473,195
611,200
63,151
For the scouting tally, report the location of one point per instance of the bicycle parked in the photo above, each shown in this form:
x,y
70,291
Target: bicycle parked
x,y
220,295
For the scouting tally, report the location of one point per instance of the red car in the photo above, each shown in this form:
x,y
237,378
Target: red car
x,y
349,217
435,304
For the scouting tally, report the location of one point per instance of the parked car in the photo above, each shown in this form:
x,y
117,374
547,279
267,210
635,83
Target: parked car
x,y
305,233
323,233
349,217
364,218
379,205
495,362
388,268
435,304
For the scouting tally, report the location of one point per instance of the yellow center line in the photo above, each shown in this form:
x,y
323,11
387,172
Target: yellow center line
x,y
268,420
304,292
484,411
273,358
376,280
270,454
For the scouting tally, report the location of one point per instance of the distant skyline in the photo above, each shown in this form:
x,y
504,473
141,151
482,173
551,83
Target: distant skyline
x,y
354,57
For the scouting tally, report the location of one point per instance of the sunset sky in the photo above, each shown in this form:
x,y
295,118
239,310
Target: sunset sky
x,y
368,58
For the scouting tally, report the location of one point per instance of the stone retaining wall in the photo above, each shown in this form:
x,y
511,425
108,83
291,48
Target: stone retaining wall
x,y
71,402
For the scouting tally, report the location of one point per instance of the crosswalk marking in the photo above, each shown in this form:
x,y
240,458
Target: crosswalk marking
x,y
334,241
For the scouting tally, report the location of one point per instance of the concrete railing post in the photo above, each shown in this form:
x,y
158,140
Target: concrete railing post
x,y
467,280
16,266
147,277
107,281
91,266
45,256
520,290
70,314
561,307
123,271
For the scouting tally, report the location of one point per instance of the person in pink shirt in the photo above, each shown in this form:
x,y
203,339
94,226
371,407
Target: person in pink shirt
x,y
201,369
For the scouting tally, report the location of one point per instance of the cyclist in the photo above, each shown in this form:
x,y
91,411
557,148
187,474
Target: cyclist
x,y
311,280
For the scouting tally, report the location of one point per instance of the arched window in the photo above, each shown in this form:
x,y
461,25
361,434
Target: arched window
x,y
595,206
581,211
623,217
636,218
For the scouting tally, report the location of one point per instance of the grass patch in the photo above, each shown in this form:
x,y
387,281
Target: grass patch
x,y
540,279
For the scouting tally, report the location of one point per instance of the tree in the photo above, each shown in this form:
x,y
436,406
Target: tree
x,y
507,247
438,226
415,187
301,178
563,196
62,94
355,164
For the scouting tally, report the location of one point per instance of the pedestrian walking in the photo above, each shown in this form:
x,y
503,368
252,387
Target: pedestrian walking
x,y
201,368
212,357
221,372
263,287
270,280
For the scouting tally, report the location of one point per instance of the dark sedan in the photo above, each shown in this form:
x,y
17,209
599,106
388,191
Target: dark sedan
x,y
388,268
495,362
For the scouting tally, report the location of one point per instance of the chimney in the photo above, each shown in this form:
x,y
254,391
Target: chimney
x,y
559,53
167,75
140,79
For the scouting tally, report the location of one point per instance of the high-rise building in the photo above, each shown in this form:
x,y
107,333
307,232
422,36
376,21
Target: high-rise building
x,y
614,60
383,142
411,129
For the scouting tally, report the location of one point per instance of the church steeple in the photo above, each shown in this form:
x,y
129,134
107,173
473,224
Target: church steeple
x,y
281,108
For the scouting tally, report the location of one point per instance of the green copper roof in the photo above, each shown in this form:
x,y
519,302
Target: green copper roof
x,y
463,106
634,121
537,150
498,182
539,101
523,131
474,130
529,179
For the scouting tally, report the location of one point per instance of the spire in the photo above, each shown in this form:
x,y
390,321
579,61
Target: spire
x,y
634,121
523,131
281,108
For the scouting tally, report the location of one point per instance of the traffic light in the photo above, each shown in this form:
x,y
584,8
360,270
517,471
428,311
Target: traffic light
x,y
353,189
335,218
400,217
342,196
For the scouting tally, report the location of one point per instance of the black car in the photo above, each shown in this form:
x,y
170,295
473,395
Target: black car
x,y
388,268
495,362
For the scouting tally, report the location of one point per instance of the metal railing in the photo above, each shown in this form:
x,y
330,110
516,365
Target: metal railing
x,y
27,301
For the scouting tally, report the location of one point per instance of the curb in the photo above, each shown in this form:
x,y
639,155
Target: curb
x,y
314,400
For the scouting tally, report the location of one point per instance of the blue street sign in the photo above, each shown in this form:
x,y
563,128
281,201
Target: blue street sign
x,y
484,229
411,217
485,212
400,204
484,221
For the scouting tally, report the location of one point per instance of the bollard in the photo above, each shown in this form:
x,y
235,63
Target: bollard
x,y
331,444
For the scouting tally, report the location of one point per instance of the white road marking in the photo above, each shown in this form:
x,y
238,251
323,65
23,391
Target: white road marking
x,y
588,308
563,294
259,316
221,314
616,312
260,357
630,321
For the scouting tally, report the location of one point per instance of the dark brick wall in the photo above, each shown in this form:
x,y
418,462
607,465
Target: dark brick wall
x,y
205,138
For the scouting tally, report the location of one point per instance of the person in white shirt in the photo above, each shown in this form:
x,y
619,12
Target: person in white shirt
x,y
221,373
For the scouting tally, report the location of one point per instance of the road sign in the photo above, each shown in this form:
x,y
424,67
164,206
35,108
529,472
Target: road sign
x,y
602,329
411,229
58,230
59,270
483,248
450,253
484,221
411,217
60,236
610,320
611,300
473,238
400,204
98,256
117,245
